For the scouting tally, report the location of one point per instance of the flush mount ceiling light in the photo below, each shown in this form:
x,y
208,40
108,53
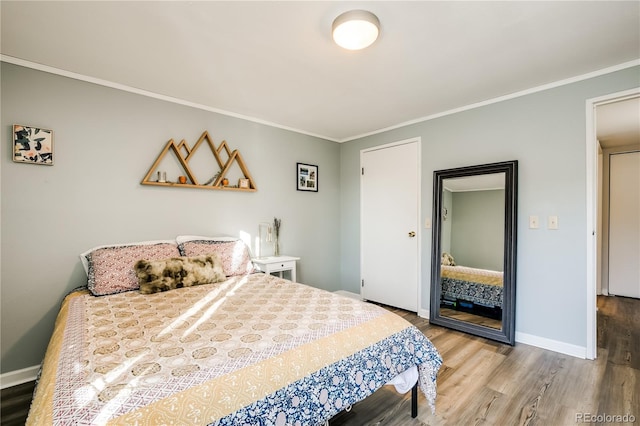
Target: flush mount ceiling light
x,y
356,29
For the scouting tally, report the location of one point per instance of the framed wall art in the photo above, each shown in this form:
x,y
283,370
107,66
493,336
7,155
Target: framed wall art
x,y
32,145
307,177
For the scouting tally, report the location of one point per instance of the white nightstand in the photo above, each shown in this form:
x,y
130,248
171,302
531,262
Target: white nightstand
x,y
279,264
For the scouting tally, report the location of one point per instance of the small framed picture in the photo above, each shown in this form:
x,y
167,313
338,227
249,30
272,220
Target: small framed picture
x,y
307,177
32,145
243,183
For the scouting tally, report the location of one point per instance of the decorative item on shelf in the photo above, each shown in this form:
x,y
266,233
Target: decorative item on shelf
x,y
162,177
268,237
276,242
183,153
307,177
182,179
243,183
32,145
213,179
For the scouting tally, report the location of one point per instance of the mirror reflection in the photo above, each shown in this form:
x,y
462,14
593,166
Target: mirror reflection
x,y
472,249
473,274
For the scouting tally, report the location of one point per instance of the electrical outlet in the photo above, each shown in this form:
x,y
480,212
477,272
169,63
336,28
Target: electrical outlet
x,y
552,222
534,223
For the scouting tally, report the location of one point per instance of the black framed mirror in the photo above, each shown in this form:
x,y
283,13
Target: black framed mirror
x,y
473,265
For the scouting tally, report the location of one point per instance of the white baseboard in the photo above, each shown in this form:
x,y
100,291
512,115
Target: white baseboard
x,y
552,345
18,377
423,313
348,294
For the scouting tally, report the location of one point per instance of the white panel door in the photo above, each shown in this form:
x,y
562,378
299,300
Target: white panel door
x,y
389,225
624,224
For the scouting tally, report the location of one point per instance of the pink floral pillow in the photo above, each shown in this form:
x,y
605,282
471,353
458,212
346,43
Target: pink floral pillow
x,y
234,254
110,268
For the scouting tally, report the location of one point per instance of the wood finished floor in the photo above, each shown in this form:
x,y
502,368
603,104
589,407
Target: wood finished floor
x,y
486,383
472,318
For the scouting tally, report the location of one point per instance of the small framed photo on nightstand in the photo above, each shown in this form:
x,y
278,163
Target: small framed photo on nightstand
x,y
307,177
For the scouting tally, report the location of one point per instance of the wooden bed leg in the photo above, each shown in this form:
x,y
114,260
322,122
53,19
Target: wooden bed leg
x,y
414,401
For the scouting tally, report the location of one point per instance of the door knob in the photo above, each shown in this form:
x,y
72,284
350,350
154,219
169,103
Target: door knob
x,y
412,234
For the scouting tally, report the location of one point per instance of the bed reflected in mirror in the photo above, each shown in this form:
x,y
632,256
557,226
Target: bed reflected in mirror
x,y
473,276
472,239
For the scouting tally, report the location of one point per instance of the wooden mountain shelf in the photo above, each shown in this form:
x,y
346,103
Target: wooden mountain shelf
x,y
182,148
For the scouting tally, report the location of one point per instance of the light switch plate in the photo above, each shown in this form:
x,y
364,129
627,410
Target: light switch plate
x,y
534,223
552,222
427,223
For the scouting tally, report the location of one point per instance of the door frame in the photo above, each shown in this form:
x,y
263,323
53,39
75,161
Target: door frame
x,y
418,141
592,230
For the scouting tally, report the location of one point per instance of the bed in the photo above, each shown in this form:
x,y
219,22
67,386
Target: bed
x,y
251,349
472,288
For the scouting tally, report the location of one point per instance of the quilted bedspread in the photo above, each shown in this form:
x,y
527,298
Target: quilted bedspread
x,y
254,350
475,285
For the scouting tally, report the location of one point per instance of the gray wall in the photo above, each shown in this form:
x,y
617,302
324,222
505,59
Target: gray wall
x,y
545,131
477,235
105,140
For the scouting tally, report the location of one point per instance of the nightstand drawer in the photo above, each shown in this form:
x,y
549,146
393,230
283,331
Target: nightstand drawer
x,y
282,266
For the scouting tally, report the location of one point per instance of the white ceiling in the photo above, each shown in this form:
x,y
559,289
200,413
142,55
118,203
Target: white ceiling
x,y
274,62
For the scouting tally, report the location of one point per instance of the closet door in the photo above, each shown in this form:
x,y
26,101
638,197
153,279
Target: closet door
x,y
389,218
624,224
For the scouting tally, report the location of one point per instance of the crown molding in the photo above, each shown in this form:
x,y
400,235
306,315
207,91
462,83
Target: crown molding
x,y
118,86
571,80
142,92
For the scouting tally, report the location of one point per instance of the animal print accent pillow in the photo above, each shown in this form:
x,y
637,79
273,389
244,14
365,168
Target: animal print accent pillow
x,y
447,259
234,254
110,268
177,272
